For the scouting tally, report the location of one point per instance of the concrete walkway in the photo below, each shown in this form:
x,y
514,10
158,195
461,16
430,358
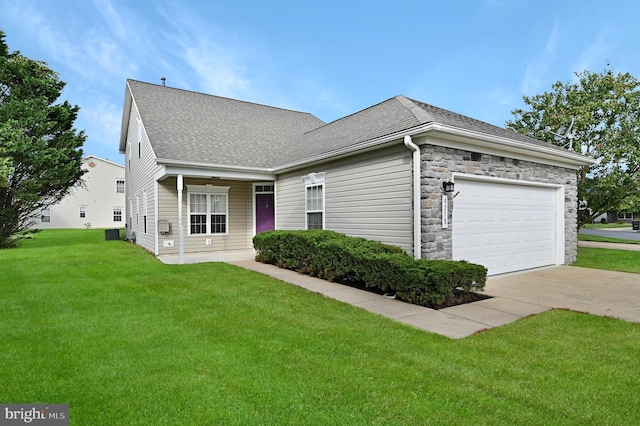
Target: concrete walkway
x,y
515,296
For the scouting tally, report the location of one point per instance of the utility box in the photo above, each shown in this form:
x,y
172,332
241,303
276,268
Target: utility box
x,y
111,234
164,226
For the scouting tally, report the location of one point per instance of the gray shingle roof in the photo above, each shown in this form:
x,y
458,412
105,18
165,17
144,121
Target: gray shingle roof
x,y
188,126
194,127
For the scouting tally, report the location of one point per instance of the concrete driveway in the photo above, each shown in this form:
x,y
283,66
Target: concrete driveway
x,y
594,291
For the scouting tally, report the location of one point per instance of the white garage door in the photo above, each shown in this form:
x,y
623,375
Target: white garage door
x,y
504,227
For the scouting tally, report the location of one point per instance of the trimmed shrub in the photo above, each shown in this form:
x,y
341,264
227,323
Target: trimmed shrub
x,y
358,261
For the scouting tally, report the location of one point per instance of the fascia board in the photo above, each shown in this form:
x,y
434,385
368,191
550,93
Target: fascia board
x,y
126,115
453,137
208,171
349,150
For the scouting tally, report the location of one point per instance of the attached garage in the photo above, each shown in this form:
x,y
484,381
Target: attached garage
x,y
508,225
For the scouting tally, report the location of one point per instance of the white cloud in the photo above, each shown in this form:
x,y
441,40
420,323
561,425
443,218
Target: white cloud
x,y
538,69
594,56
499,96
218,70
100,119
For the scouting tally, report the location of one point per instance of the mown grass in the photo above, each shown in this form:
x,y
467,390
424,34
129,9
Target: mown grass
x,y
103,326
601,239
613,260
606,225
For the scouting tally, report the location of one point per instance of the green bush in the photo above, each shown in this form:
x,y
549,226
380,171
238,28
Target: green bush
x,y
358,261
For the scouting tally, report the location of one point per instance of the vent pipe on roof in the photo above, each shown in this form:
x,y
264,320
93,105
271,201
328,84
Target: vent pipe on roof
x,y
164,80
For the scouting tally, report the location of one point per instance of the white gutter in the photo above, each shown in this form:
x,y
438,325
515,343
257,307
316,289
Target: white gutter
x,y
180,187
417,214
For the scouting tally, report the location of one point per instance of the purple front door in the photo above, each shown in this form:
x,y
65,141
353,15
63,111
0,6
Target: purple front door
x,y
265,218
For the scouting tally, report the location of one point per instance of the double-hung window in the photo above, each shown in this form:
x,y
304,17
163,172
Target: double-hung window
x,y
314,200
119,186
208,209
45,215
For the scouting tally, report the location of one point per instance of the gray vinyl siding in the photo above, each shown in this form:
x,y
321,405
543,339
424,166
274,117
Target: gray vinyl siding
x,y
367,197
139,172
239,225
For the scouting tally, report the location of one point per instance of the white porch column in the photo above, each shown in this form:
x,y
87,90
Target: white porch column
x,y
180,186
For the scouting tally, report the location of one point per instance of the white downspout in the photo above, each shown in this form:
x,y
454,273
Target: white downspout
x,y
180,226
417,216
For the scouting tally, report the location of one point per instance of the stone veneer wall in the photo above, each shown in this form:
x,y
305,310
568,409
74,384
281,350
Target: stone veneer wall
x,y
437,165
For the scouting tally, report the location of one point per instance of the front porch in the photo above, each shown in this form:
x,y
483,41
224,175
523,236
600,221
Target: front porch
x,y
211,219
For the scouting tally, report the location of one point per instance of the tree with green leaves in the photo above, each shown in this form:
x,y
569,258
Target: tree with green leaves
x,y
597,115
40,151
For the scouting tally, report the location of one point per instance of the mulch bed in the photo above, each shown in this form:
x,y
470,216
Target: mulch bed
x,y
460,297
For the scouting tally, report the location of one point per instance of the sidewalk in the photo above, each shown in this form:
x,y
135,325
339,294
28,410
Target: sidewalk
x,y
611,246
454,322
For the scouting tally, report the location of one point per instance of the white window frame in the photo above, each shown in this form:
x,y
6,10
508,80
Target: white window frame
x,y
45,214
83,211
120,186
625,215
209,191
314,180
145,210
115,210
139,136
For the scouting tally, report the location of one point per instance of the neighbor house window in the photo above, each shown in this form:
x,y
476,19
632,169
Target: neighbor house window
x,y
120,186
45,215
314,200
83,211
208,209
117,214
625,215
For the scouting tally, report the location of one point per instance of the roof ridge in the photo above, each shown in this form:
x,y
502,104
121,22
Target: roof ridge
x,y
350,115
420,113
219,97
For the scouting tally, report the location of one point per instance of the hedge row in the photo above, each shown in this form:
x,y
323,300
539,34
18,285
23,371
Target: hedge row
x,y
357,261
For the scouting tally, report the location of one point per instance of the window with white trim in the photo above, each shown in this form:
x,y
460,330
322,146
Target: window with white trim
x,y
145,206
45,215
625,215
208,209
120,186
139,132
83,211
117,214
130,210
314,200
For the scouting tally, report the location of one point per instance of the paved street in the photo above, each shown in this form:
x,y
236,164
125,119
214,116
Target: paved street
x,y
624,233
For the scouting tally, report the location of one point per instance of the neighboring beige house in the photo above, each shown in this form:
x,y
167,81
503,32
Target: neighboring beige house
x,y
100,203
204,174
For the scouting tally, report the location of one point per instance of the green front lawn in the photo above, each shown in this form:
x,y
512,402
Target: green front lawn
x,y
601,239
125,340
613,260
606,225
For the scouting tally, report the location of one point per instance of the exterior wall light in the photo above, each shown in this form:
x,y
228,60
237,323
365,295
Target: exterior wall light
x,y
447,186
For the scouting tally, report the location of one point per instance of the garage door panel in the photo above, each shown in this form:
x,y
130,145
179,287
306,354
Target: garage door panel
x,y
503,226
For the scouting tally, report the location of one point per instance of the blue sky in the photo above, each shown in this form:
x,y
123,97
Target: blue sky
x,y
328,58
